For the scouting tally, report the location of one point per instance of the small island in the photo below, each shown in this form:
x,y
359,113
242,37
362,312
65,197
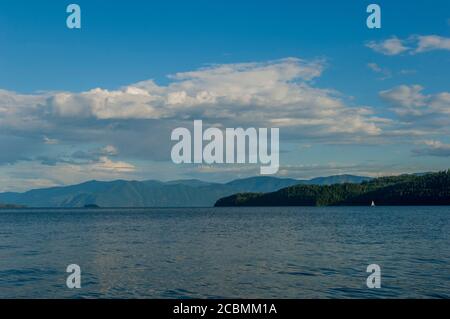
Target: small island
x,y
11,206
91,206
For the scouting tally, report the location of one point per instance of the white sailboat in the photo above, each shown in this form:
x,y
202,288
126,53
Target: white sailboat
x,y
373,204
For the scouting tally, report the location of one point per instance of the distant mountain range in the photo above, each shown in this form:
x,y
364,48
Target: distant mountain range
x,y
151,193
416,189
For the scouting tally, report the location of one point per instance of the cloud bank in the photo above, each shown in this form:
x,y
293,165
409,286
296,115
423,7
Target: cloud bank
x,y
275,93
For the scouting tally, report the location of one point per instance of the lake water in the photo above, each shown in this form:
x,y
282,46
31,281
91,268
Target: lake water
x,y
226,252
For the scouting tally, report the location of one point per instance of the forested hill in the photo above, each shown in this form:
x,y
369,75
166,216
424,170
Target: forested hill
x,y
429,189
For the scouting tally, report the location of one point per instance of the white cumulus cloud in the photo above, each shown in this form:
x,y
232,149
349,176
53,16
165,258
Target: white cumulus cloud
x,y
392,46
413,44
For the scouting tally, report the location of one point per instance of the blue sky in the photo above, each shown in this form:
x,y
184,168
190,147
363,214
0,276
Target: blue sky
x,y
385,92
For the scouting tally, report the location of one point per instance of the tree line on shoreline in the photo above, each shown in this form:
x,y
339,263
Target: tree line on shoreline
x,y
428,189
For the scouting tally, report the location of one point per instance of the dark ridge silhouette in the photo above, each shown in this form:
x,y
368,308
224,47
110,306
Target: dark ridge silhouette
x,y
417,189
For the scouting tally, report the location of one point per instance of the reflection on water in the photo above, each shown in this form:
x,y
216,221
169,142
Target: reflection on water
x,y
226,252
